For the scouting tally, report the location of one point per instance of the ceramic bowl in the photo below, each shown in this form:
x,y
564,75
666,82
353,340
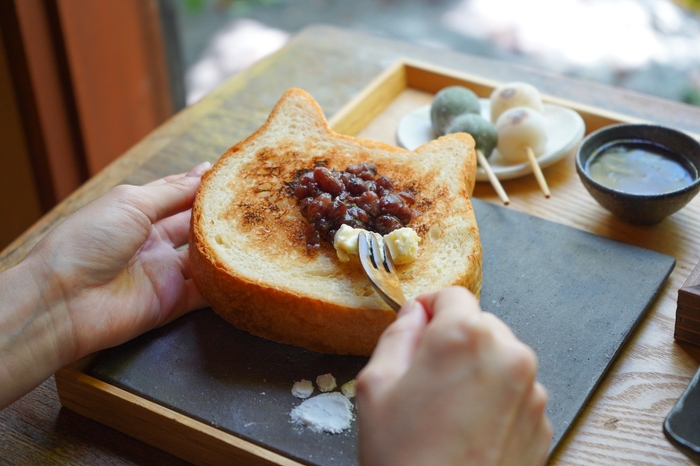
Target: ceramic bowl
x,y
641,209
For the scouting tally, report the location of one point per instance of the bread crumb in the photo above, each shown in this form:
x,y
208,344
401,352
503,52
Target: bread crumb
x,y
348,388
326,382
327,412
303,388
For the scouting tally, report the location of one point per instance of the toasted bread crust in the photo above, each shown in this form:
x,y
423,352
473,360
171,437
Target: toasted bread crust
x,y
286,318
262,224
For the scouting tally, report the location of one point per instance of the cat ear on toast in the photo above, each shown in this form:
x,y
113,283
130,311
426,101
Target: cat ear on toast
x,y
298,114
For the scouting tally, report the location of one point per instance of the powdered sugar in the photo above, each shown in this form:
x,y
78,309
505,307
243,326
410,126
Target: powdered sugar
x,y
327,412
348,388
326,382
303,388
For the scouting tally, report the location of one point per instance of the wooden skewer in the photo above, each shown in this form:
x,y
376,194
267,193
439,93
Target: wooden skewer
x,y
538,172
492,177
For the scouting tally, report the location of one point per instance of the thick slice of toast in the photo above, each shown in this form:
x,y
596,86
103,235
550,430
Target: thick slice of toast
x,y
248,251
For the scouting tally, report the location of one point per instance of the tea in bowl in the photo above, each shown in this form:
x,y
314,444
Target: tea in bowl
x,y
641,173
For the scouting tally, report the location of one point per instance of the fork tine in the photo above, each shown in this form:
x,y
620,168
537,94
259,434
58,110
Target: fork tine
x,y
363,246
376,253
384,254
379,269
365,250
388,259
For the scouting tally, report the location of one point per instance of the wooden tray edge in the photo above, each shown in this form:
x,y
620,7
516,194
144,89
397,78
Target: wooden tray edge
x,y
156,425
408,73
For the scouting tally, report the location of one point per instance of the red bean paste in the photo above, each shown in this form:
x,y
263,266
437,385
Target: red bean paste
x,y
357,197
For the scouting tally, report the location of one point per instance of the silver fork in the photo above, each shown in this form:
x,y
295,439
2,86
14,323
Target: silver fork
x,y
379,268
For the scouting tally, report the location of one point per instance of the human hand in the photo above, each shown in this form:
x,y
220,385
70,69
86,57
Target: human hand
x,y
111,271
451,384
115,266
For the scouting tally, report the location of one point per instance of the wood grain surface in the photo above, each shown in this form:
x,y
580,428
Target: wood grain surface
x,y
622,423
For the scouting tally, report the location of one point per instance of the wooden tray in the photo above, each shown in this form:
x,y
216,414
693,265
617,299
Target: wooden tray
x,y
382,99
374,112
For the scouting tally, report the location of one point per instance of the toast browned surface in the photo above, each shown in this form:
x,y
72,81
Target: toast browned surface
x,y
248,251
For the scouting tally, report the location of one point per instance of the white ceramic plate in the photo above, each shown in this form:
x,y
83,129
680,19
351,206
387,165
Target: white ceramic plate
x,y
565,129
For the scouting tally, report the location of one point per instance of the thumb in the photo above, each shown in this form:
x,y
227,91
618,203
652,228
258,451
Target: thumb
x,y
399,342
166,197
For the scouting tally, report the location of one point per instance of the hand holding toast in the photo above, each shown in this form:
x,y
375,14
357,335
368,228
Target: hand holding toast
x,y
451,384
108,273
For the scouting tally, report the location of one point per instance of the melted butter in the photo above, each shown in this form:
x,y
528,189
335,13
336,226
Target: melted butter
x,y
638,167
403,243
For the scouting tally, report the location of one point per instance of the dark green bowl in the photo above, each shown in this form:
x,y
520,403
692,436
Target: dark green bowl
x,y
641,209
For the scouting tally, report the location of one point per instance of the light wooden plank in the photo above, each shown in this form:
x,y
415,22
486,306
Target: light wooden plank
x,y
157,425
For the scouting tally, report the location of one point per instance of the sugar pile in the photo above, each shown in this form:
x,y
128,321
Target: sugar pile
x,y
348,389
326,382
303,388
327,412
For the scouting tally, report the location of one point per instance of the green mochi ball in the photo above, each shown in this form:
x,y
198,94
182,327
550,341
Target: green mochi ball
x,y
448,104
482,130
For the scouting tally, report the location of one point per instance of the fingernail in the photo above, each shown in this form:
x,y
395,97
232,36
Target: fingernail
x,y
199,170
410,307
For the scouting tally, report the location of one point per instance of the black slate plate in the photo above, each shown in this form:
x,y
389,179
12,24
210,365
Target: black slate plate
x,y
573,296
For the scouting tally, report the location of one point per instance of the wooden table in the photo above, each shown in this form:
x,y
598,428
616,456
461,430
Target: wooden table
x,y
622,424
